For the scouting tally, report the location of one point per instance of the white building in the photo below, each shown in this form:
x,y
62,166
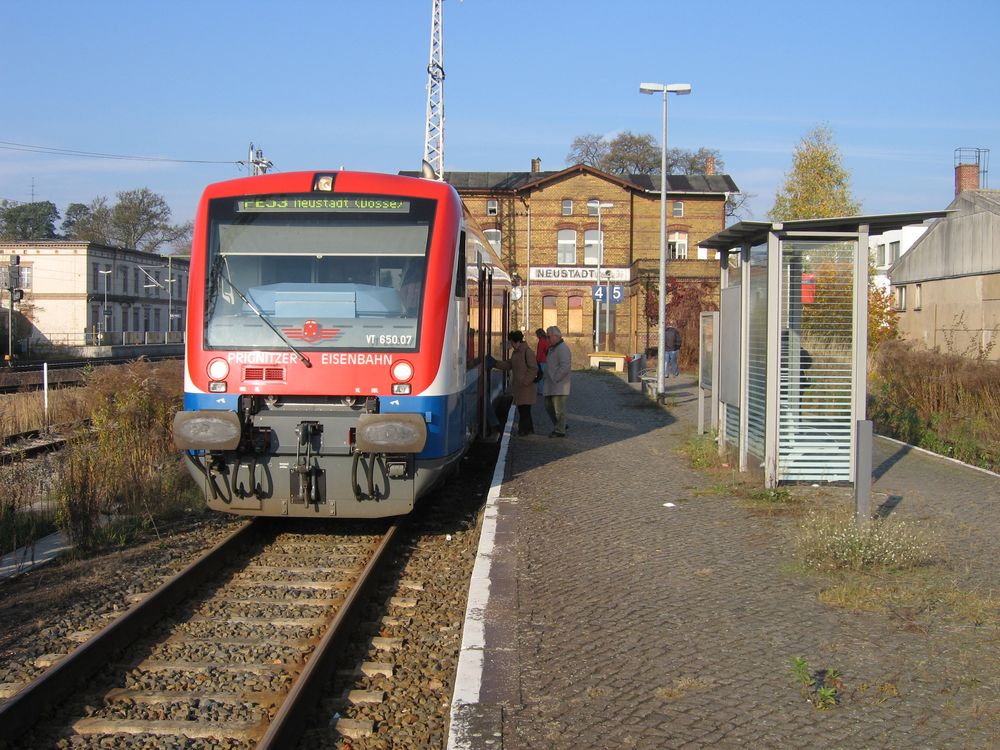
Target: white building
x,y
84,294
887,248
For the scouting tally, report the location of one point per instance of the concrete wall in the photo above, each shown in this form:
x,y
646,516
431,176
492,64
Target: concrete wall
x,y
960,316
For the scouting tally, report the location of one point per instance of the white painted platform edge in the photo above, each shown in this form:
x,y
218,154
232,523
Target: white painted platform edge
x,y
24,559
469,674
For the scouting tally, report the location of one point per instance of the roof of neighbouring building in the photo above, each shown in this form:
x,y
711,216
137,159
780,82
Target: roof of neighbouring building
x,y
515,181
966,243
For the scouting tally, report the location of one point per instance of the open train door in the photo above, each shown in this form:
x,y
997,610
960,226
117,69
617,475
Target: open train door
x,y
485,373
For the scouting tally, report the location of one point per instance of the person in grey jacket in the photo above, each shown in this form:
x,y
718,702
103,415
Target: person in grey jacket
x,y
558,364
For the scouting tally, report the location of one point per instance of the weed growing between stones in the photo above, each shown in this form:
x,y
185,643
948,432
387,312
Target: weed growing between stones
x,y
821,687
831,542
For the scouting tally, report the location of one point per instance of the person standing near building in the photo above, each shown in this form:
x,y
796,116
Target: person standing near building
x,y
558,365
672,345
523,369
541,350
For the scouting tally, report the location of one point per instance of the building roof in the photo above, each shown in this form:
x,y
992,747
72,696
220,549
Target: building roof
x,y
496,182
966,243
755,232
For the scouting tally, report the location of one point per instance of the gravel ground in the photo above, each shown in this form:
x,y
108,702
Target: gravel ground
x,y
422,602
420,605
40,611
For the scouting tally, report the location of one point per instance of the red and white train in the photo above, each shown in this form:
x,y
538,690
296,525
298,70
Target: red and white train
x,y
339,326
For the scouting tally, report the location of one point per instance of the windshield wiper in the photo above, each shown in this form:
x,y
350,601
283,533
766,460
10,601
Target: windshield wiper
x,y
221,270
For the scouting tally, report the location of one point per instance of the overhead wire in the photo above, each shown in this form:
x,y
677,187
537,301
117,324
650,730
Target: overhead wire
x,y
55,151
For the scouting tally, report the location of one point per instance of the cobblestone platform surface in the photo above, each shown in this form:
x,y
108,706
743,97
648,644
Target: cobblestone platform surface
x,y
615,621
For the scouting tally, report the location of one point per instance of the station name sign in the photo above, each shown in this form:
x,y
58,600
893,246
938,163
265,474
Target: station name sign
x,y
574,273
297,204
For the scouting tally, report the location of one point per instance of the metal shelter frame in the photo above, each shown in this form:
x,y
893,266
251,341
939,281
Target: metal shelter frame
x,y
786,287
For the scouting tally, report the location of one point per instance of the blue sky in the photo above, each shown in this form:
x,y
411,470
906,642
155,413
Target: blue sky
x,y
325,84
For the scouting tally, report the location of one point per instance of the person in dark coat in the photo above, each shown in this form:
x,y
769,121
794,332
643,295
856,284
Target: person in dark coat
x,y
672,346
523,369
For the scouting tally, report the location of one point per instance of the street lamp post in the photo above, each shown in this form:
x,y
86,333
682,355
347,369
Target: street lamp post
x,y
679,89
600,260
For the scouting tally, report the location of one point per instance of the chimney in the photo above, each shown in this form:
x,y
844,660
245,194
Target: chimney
x,y
710,165
966,177
536,165
972,169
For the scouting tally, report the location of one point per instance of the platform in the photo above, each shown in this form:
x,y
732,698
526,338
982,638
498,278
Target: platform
x,y
620,602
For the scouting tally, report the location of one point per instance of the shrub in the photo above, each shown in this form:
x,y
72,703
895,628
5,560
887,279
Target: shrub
x,y
127,465
943,402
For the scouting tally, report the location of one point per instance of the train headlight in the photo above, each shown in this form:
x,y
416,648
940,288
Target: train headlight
x,y
323,182
402,371
207,430
218,369
391,433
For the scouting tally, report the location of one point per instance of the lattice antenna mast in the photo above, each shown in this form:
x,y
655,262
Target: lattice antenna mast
x,y
434,135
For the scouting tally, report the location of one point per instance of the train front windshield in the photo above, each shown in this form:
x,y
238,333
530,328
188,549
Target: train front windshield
x,y
331,272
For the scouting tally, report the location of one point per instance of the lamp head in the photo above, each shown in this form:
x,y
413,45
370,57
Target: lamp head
x,y
678,88
651,88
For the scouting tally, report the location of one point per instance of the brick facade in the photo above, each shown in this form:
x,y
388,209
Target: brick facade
x,y
631,243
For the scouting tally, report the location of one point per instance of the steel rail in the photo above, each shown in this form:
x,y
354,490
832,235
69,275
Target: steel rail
x,y
289,722
24,709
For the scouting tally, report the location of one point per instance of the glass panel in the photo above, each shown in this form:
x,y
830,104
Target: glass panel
x,y
757,356
566,247
332,273
817,359
591,247
575,314
550,315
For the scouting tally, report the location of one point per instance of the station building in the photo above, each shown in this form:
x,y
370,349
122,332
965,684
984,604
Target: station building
x,y
546,226
83,294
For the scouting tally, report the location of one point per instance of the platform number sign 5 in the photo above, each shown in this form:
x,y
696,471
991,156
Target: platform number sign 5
x,y
612,295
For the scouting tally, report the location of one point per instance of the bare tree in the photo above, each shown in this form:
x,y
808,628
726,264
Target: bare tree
x,y
590,149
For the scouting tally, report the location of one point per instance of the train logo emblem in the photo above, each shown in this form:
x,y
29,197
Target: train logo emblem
x,y
311,332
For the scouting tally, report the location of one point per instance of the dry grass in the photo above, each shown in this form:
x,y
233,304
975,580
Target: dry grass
x,y
20,412
128,465
946,403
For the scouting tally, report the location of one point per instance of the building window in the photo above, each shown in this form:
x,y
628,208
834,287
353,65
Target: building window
x,y
678,209
25,278
95,268
591,247
156,319
900,293
917,296
123,272
135,319
880,255
550,315
678,246
492,207
575,322
493,236
567,207
592,205
566,247
135,283
893,252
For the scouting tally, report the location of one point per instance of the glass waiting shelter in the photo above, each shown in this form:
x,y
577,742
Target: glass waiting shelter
x,y
793,342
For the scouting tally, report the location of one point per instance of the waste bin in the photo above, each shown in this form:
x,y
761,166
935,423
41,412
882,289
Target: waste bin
x,y
635,367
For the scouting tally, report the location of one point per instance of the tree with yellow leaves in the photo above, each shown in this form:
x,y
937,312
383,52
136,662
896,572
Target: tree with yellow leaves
x,y
818,186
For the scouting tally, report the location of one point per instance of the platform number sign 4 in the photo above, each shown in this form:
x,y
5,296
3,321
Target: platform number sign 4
x,y
610,294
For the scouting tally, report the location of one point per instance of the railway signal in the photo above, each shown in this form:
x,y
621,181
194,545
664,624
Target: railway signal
x,y
10,279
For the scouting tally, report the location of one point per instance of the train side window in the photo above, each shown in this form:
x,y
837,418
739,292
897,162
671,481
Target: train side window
x,y
460,270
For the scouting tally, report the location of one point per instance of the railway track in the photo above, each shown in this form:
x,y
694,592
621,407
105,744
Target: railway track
x,y
32,443
232,651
